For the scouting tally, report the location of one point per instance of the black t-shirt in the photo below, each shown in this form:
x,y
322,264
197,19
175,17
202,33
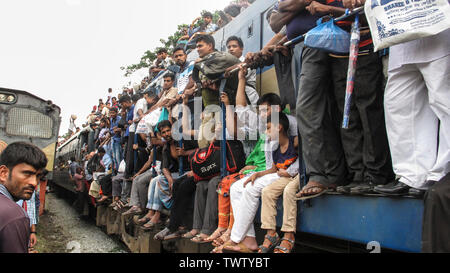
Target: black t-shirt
x,y
14,227
170,163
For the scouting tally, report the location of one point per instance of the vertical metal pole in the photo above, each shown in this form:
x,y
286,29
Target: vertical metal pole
x,y
180,143
223,143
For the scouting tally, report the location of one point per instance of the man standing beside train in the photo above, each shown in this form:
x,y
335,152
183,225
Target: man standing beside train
x,y
21,167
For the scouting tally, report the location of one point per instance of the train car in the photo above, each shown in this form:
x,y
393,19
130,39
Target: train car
x,y
71,148
26,117
331,222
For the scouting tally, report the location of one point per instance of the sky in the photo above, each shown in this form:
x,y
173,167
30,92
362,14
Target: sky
x,y
71,51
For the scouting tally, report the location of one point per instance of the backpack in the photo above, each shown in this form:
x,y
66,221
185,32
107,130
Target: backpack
x,y
205,163
213,67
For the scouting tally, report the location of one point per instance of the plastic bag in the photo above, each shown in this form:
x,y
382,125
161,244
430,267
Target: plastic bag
x,y
328,37
397,22
163,116
122,166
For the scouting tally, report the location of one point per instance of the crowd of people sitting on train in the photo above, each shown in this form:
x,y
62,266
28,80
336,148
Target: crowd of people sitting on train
x,y
160,150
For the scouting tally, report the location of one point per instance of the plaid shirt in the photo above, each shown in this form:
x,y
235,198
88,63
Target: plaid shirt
x,y
30,208
5,192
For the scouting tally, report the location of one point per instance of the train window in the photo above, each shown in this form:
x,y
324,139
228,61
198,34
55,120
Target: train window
x,y
250,30
29,123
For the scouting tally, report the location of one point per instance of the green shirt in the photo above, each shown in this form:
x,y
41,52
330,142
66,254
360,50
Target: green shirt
x,y
257,157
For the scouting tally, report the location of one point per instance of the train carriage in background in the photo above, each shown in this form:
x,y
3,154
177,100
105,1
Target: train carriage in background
x,y
26,117
71,148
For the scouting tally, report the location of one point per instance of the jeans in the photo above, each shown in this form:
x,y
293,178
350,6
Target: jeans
x,y
117,153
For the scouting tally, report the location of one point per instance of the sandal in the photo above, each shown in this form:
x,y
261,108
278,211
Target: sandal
x,y
311,188
188,235
216,234
150,225
160,235
280,249
198,239
120,204
242,246
219,249
274,241
222,239
172,236
143,220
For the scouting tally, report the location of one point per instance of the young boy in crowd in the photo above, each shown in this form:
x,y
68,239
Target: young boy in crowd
x,y
245,195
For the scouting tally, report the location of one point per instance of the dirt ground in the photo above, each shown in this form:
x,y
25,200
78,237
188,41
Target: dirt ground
x,y
61,230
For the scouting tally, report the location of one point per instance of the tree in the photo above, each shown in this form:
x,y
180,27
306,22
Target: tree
x,y
169,44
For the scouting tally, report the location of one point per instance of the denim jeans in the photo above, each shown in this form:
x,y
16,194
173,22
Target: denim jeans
x,y
117,153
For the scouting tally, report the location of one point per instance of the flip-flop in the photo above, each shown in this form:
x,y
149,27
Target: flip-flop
x,y
324,189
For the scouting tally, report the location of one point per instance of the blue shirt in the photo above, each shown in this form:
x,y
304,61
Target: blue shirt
x,y
130,116
301,23
107,162
115,123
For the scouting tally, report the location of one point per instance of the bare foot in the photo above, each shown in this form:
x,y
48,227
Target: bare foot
x,y
247,245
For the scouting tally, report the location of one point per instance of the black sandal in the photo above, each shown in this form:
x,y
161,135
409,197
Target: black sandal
x,y
274,240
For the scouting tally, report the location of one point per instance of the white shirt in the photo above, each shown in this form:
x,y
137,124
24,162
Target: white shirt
x,y
251,85
140,104
423,50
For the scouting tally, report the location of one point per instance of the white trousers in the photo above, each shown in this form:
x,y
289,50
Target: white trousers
x,y
245,203
417,98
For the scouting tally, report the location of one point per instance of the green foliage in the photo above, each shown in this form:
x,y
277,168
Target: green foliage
x,y
150,55
169,44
